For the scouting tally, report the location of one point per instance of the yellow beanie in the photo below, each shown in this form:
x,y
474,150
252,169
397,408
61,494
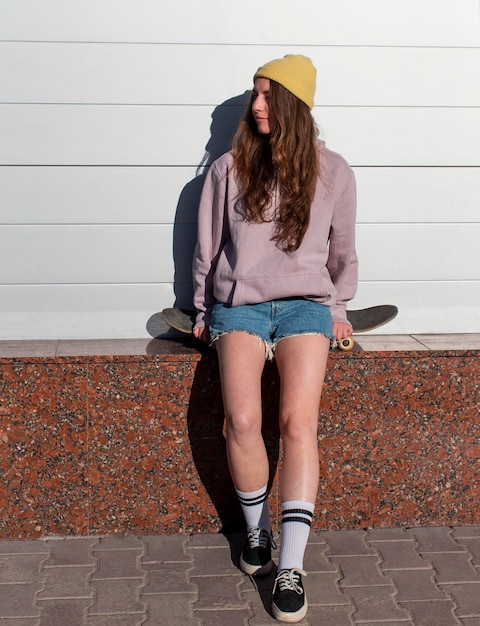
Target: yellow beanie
x,y
295,72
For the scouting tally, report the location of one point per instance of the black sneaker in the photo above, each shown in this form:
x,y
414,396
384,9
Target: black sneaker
x,y
289,600
256,558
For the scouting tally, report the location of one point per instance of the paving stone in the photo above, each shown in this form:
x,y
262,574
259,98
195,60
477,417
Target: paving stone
x,y
257,592
435,540
453,567
218,592
360,570
432,613
119,543
387,622
17,600
24,547
400,555
168,578
415,585
22,568
116,595
6,621
63,612
233,617
380,577
71,551
337,615
315,537
346,543
66,582
323,589
214,562
466,531
472,544
118,564
316,560
262,615
171,610
375,604
387,534
114,620
164,548
211,540
467,598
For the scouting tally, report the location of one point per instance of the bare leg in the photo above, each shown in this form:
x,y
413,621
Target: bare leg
x,y
301,362
242,359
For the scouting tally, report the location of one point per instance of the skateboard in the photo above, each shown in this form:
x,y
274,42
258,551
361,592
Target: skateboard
x,y
362,320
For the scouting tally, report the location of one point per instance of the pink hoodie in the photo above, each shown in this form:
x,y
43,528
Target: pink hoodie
x,y
236,262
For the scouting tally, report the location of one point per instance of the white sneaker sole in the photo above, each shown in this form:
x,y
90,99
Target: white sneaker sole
x,y
255,570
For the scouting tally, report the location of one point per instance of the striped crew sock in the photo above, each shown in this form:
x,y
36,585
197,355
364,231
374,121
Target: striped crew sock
x,y
297,518
255,508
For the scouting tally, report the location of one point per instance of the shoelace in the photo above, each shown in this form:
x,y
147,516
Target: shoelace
x,y
288,580
259,538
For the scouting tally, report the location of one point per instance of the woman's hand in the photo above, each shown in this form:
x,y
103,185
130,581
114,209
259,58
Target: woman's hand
x,y
202,333
342,330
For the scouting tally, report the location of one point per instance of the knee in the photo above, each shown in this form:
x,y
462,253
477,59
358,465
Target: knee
x,y
298,431
242,428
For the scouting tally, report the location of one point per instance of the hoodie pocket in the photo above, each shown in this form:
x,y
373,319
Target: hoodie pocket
x,y
254,290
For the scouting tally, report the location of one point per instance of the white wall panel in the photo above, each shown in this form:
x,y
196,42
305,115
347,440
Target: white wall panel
x,y
86,254
82,311
396,195
396,22
85,298
121,195
403,136
118,324
412,252
103,135
143,254
167,135
427,307
208,75
99,195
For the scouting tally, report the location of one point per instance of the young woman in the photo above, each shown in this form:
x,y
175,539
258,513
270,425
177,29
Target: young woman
x,y
274,266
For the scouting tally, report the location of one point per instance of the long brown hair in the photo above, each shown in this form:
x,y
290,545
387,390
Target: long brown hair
x,y
287,158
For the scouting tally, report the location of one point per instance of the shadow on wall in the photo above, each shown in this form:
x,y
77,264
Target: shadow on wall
x,y
225,120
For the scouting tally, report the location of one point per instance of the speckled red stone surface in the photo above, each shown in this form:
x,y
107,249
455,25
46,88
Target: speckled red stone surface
x,y
399,440
133,443
43,449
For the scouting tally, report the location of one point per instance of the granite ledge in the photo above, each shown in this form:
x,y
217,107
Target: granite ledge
x,y
181,349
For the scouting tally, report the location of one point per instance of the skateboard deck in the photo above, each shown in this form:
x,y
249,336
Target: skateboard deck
x,y
362,320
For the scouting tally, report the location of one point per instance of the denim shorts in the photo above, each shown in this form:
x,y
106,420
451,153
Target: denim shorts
x,y
272,321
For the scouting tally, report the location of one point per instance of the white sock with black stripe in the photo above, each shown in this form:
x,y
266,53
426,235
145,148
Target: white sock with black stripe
x,y
297,518
255,508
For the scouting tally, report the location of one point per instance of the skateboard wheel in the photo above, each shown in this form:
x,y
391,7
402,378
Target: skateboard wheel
x,y
346,344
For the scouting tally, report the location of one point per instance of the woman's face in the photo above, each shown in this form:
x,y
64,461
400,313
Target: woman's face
x,y
261,105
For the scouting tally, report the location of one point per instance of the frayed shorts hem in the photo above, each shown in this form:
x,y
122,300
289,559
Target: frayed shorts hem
x,y
269,346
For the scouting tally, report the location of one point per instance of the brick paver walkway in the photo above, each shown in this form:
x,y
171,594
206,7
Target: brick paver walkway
x,y
391,577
